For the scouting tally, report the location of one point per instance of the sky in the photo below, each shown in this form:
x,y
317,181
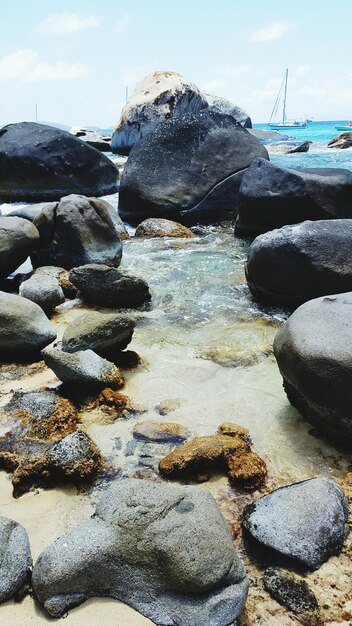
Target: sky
x,y
74,59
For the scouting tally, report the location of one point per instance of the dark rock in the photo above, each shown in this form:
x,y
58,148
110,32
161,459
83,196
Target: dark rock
x,y
118,223
160,431
83,368
24,328
96,139
185,570
222,105
106,286
30,212
43,288
289,590
301,147
157,227
305,521
312,352
39,162
18,239
342,141
76,231
157,97
75,457
106,334
272,196
15,559
188,167
298,263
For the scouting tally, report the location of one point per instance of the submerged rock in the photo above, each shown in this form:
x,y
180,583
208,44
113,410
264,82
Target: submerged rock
x,y
189,167
83,368
184,571
342,141
157,97
18,239
15,558
24,328
104,333
43,288
158,227
313,355
160,431
39,162
305,521
76,231
246,469
291,591
106,286
297,263
272,196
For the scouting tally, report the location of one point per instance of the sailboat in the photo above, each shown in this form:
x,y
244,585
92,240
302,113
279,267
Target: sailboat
x,y
285,124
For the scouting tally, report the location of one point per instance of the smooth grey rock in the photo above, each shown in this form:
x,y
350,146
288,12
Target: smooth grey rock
x,y
76,231
313,355
83,368
106,286
222,105
305,521
165,550
96,139
42,163
188,168
43,288
24,327
30,212
297,263
104,333
157,97
289,590
18,239
161,431
272,196
15,557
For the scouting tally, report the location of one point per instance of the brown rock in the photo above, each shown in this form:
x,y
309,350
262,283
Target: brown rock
x,y
160,431
195,456
343,141
158,227
234,430
246,469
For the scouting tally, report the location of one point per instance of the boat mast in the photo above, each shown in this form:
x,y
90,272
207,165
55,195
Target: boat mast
x,y
285,92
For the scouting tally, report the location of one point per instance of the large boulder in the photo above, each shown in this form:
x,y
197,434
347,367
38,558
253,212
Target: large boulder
x,y
18,239
305,521
96,139
313,353
342,141
297,263
189,167
222,105
15,558
24,328
104,333
39,162
272,196
106,286
75,231
157,97
167,551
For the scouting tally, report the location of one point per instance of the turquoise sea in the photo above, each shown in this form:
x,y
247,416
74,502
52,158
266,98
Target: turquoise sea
x,y
319,155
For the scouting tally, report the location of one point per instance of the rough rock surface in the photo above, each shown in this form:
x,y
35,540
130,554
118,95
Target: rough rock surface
x,y
222,105
170,543
189,167
246,469
272,196
305,521
104,333
157,97
106,286
39,162
24,327
297,263
43,288
99,140
75,231
312,352
18,239
342,141
158,227
84,368
160,431
289,590
15,557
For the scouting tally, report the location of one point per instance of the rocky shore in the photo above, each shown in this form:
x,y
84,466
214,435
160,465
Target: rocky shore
x,y
149,454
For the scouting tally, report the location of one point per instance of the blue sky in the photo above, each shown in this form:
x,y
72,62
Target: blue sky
x,y
75,58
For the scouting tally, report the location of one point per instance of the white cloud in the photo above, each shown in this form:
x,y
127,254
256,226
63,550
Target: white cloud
x,y
63,24
25,65
122,24
275,30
